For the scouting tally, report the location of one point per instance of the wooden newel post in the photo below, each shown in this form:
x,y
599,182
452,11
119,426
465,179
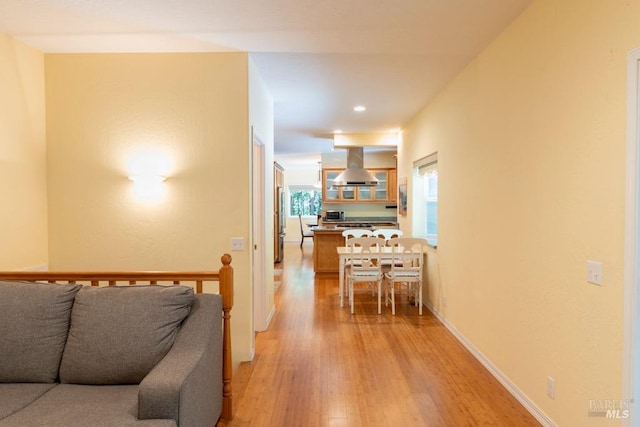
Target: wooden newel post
x,y
226,289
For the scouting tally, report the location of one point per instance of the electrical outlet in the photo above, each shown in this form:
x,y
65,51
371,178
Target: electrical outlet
x,y
444,302
237,243
551,387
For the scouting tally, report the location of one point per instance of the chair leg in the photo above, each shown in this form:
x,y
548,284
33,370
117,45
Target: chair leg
x,y
393,298
386,294
351,302
379,297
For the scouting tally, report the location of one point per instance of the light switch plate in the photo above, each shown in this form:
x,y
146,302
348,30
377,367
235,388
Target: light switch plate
x,y
594,272
551,387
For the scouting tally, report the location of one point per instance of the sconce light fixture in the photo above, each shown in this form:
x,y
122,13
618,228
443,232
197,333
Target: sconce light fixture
x,y
147,179
148,187
148,171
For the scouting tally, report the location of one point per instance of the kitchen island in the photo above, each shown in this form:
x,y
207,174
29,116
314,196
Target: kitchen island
x,y
327,237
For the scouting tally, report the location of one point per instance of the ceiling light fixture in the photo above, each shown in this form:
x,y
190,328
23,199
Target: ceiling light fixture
x,y
337,131
359,108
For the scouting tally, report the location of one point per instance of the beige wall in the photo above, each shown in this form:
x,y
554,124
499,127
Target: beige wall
x,y
104,109
23,182
531,148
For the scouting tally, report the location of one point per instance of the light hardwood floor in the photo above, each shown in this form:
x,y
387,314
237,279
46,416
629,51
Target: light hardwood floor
x,y
318,365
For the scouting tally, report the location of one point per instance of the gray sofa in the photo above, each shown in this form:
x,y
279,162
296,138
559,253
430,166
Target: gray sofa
x,y
109,356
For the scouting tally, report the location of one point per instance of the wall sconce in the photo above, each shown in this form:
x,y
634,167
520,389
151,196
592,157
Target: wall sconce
x,y
148,170
147,179
148,187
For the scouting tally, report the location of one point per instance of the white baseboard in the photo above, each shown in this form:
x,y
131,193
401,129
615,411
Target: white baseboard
x,y
511,387
270,316
252,353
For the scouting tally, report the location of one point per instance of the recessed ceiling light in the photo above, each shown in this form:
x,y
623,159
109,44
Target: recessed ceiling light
x,y
359,108
337,131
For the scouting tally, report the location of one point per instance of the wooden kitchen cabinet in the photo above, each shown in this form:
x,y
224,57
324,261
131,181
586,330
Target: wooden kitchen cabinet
x,y
383,192
393,185
379,193
325,254
335,194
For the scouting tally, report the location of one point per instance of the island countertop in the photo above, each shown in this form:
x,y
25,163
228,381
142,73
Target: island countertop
x,y
327,237
340,228
368,223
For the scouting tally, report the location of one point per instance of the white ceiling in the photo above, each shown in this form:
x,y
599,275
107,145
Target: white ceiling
x,y
319,58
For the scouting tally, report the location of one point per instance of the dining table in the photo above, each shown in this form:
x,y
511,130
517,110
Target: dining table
x,y
383,253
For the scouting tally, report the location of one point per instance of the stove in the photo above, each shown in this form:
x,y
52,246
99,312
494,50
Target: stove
x,y
345,226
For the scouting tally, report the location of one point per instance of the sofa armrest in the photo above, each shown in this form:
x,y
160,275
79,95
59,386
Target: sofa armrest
x,y
186,385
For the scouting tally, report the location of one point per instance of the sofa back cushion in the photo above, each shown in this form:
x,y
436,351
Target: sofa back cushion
x,y
34,322
119,333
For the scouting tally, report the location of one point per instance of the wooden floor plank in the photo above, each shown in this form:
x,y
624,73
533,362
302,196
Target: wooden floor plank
x,y
319,365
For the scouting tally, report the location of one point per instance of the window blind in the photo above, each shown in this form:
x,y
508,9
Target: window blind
x,y
426,165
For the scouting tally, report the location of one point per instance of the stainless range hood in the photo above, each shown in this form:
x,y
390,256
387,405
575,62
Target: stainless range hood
x,y
355,175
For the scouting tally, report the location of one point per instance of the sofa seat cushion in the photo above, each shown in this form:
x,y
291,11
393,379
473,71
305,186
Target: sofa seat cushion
x,y
81,405
14,397
34,321
119,333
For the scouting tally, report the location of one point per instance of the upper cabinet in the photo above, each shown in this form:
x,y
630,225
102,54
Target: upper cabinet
x,y
393,185
385,191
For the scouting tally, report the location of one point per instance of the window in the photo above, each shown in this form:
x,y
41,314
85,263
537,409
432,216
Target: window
x,y
305,200
426,198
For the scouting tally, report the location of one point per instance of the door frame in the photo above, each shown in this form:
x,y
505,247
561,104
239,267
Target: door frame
x,y
258,249
631,322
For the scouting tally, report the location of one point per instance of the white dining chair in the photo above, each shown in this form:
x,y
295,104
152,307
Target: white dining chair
x,y
388,233
405,270
365,268
350,234
355,232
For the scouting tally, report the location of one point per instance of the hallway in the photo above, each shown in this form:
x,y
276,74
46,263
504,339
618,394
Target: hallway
x,y
318,365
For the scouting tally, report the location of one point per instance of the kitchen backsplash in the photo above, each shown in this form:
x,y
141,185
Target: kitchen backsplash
x,y
365,209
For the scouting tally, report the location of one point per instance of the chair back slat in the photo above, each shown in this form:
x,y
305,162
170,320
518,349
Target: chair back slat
x,y
411,242
388,233
355,232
